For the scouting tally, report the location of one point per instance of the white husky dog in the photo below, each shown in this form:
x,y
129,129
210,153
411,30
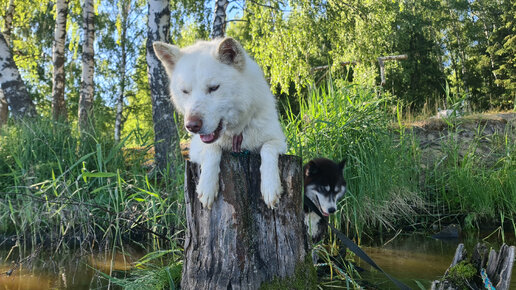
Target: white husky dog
x,y
227,105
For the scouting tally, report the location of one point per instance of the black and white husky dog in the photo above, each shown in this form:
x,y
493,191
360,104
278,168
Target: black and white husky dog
x,y
324,186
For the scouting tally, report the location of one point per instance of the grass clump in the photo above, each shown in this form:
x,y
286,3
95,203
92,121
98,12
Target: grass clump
x,y
340,121
53,193
475,177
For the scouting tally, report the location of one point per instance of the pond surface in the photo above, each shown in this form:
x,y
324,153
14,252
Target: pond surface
x,y
422,258
407,257
70,270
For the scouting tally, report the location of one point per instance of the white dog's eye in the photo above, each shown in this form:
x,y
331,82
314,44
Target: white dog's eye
x,y
211,89
186,92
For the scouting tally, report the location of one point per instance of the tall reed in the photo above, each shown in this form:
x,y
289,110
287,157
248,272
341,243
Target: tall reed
x,y
53,193
351,122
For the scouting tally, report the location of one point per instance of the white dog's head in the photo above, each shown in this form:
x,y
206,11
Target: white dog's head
x,y
208,84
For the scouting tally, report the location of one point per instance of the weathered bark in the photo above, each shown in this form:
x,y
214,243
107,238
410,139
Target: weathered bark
x,y
166,139
86,97
241,243
498,266
12,85
8,21
4,110
124,7
219,19
59,111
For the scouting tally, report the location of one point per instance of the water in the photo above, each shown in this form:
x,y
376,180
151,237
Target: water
x,y
409,258
412,258
71,270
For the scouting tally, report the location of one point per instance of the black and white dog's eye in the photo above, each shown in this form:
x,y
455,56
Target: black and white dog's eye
x,y
211,89
186,92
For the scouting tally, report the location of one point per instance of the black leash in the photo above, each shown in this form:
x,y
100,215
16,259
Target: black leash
x,y
352,246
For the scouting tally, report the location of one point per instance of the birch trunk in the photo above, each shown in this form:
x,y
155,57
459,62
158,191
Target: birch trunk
x,y
219,20
125,6
4,110
12,85
8,20
240,243
59,111
166,139
86,97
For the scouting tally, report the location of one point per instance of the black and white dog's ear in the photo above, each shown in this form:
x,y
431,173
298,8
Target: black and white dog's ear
x,y
168,54
311,168
342,164
230,52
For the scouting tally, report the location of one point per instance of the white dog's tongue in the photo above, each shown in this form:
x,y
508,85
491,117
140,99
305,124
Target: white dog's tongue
x,y
208,138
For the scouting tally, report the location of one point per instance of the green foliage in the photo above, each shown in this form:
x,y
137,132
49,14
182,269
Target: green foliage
x,y
461,274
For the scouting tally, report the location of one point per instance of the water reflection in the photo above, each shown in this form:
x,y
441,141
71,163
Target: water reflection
x,y
422,258
71,270
407,257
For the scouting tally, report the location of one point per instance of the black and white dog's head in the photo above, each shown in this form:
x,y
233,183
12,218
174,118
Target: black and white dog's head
x,y
324,183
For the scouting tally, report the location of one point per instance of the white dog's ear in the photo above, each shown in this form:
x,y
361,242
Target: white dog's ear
x,y
167,53
230,52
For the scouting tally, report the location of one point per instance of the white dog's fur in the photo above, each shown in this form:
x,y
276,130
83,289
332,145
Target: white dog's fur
x,y
217,83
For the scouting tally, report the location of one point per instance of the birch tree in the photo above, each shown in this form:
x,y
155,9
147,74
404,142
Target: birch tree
x,y
219,19
59,111
166,143
8,20
4,110
12,85
86,97
125,6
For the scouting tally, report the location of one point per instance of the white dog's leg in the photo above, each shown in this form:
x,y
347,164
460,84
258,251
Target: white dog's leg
x,y
208,186
270,178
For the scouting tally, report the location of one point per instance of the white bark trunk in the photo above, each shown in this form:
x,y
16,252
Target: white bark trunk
x,y
8,20
86,98
12,85
219,19
125,6
59,111
166,143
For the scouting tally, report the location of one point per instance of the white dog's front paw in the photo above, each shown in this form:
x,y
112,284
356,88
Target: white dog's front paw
x,y
206,193
271,192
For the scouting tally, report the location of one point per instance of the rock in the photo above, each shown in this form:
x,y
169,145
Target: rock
x,y
450,232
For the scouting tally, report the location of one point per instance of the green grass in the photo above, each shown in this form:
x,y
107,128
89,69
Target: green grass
x,y
351,122
479,186
53,193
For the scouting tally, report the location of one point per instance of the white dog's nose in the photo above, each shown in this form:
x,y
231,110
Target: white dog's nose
x,y
193,124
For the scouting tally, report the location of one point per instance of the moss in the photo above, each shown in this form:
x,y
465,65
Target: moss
x,y
305,277
462,274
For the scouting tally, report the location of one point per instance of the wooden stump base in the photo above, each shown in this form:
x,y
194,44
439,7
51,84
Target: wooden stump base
x,y
240,243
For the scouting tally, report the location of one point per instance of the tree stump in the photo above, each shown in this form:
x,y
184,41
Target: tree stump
x,y
498,267
240,243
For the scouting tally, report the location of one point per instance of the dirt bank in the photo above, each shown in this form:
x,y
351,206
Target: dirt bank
x,y
484,135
